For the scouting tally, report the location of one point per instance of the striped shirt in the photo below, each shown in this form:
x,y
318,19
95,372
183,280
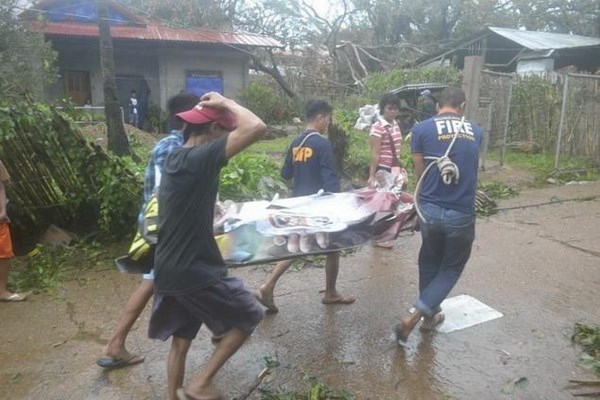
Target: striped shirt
x,y
390,135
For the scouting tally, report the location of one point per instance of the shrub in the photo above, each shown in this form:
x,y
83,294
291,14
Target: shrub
x,y
156,120
378,84
535,112
250,176
264,102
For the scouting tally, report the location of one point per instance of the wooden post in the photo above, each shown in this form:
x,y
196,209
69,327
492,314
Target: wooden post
x,y
563,109
486,134
506,122
471,84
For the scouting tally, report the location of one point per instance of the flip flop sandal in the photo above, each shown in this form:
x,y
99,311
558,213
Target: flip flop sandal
x,y
16,297
112,362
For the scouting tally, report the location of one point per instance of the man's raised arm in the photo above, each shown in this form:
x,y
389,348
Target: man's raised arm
x,y
249,127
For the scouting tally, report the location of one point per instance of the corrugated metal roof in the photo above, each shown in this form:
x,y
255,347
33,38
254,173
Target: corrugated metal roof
x,y
140,28
156,33
545,40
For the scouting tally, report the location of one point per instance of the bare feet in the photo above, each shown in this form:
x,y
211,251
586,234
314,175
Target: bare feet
x,y
402,331
406,326
384,245
265,297
429,323
337,299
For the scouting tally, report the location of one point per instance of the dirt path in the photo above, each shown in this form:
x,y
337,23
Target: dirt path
x,y
538,265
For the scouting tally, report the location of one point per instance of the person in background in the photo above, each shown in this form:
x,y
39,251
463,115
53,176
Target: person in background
x,y
426,105
6,249
309,162
134,109
115,353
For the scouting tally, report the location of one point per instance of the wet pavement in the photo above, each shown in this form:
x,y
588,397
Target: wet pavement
x,y
539,266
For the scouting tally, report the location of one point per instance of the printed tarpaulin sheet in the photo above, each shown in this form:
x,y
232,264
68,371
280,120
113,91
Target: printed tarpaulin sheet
x,y
260,231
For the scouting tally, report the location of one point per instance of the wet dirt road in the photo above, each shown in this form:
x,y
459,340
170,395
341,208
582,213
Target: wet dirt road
x,y
539,266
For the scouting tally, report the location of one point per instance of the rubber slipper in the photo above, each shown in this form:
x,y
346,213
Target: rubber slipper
x,y
339,300
112,362
182,395
16,297
438,319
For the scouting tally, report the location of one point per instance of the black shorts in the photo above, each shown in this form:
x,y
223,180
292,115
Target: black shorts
x,y
221,307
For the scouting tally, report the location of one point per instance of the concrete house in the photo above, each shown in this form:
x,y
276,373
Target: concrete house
x,y
521,51
155,60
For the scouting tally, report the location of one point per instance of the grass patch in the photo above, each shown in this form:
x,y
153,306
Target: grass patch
x,y
570,168
274,146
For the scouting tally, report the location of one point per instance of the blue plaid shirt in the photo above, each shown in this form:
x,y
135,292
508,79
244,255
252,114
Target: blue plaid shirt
x,y
163,148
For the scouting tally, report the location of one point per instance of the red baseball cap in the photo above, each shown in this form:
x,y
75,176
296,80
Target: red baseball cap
x,y
201,115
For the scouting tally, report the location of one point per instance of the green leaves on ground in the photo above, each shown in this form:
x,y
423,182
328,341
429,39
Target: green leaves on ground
x,y
497,190
317,390
487,194
510,386
588,337
44,267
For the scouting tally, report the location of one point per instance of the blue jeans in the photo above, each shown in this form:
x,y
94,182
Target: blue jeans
x,y
447,236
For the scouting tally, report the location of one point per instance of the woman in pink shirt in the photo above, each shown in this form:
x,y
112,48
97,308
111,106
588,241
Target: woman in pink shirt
x,y
385,140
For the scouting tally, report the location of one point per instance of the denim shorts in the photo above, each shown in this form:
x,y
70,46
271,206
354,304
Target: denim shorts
x,y
221,307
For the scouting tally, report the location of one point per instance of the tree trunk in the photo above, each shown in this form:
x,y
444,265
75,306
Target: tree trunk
x,y
258,65
117,138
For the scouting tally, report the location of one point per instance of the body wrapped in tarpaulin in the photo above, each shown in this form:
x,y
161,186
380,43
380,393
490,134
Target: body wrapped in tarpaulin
x,y
259,232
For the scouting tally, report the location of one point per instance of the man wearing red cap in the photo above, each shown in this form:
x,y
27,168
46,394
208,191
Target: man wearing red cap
x,y
192,286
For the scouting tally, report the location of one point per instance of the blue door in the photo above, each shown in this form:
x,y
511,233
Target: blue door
x,y
199,84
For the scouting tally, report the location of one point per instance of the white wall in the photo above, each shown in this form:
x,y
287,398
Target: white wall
x,y
535,66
